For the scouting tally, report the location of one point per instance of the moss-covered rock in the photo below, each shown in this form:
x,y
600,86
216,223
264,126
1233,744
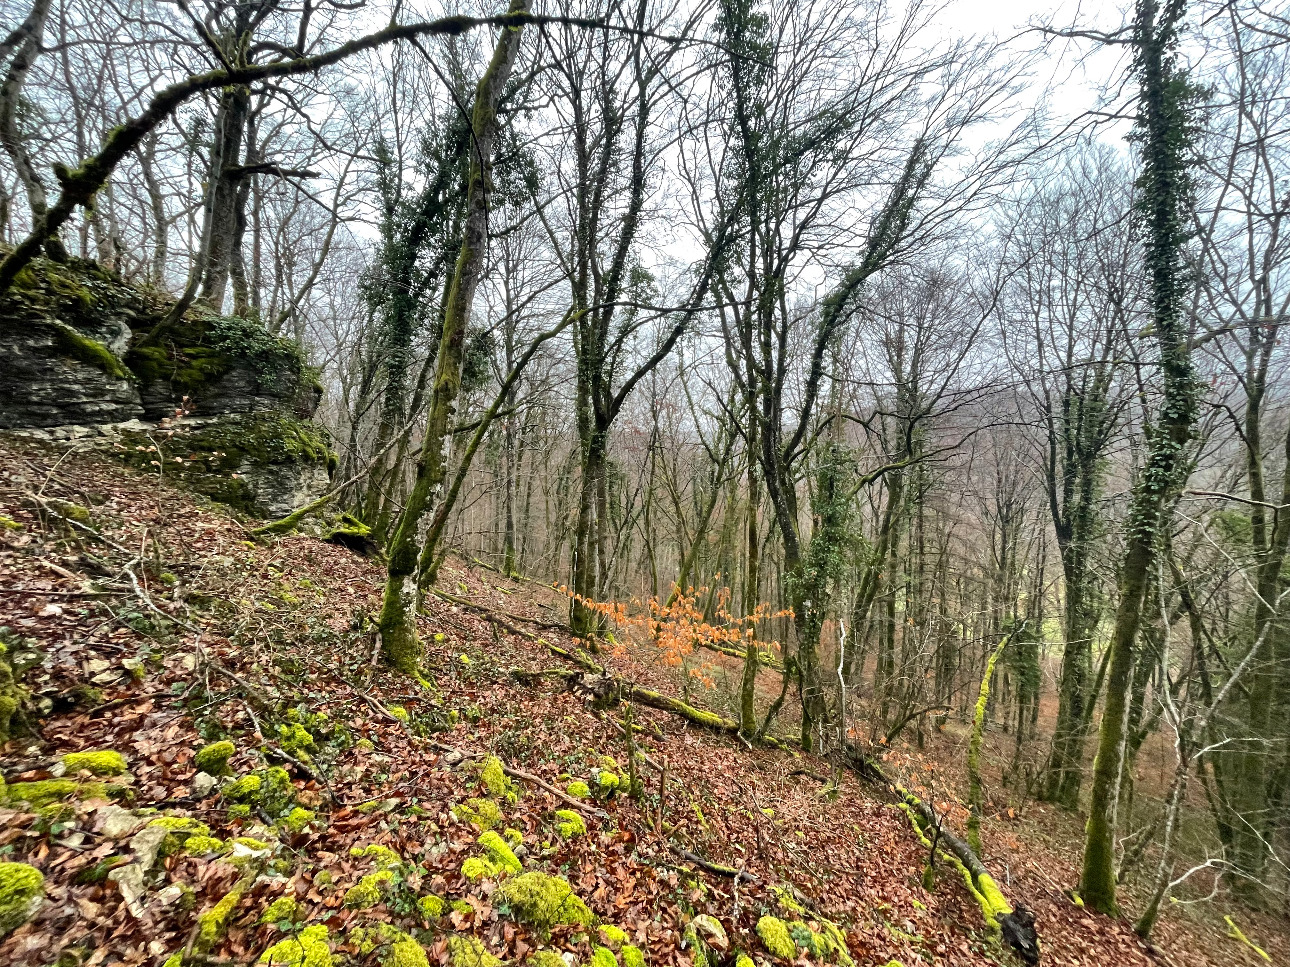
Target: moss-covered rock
x,y
368,891
212,925
348,531
309,948
603,957
382,857
261,463
406,953
102,763
776,938
578,789
12,696
22,891
431,906
499,853
545,958
213,759
298,820
484,813
570,824
633,956
42,792
467,951
544,901
283,909
496,782
613,937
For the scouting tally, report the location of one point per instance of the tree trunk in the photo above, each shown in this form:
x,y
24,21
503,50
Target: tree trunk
x,y
400,645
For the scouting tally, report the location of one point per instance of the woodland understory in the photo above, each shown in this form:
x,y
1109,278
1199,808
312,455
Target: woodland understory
x,y
800,404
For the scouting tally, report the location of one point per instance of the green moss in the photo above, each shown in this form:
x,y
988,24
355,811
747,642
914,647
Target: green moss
x,y
296,740
776,938
406,953
513,836
499,853
544,901
494,778
239,811
613,937
578,789
367,893
603,957
309,948
431,906
484,813
607,782
462,907
400,713
284,908
250,842
545,958
102,763
212,924
22,890
182,825
45,791
467,951
246,787
204,845
298,819
55,814
743,960
12,695
382,856
633,956
213,759
570,824
71,344
478,868
9,524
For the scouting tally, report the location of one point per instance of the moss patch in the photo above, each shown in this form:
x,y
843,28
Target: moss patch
x,y
776,938
22,890
544,901
213,759
468,951
309,948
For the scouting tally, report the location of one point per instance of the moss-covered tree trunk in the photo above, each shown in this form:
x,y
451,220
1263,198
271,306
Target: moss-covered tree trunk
x,y
1163,135
399,643
976,799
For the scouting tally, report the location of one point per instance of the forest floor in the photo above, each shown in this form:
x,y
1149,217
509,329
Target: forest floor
x,y
156,626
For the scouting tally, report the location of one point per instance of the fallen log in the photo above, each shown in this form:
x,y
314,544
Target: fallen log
x,y
1016,925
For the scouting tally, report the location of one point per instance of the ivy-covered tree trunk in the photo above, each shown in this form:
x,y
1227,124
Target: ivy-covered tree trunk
x,y
400,645
1163,133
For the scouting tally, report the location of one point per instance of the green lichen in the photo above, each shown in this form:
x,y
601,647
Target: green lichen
x,y
309,948
776,938
499,852
570,824
102,763
298,819
367,893
494,778
603,957
578,789
213,759
484,813
468,951
431,906
22,891
544,901
633,956
285,909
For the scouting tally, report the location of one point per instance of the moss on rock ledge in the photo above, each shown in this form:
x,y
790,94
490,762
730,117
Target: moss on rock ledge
x,y
22,891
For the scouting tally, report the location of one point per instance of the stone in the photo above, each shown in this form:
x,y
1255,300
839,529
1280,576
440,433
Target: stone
x,y
129,881
146,843
203,785
116,822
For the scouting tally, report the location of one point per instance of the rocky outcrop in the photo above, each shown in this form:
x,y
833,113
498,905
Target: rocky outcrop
x,y
214,401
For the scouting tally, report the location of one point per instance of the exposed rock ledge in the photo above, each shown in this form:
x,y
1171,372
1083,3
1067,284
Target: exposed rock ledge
x,y
88,357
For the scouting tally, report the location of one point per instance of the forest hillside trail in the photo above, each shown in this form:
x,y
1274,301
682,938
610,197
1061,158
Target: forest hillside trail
x,y
368,818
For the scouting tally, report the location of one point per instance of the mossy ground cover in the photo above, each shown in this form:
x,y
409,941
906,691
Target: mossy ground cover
x,y
395,787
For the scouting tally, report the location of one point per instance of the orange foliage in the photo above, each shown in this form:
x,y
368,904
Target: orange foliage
x,y
677,629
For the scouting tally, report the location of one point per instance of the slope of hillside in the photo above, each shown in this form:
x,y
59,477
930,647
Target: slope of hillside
x,y
357,816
